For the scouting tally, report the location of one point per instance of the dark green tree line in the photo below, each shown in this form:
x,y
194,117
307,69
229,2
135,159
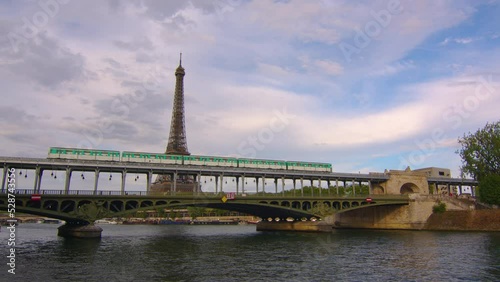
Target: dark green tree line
x,y
480,153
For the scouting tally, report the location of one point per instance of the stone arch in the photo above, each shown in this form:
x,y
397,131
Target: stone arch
x,y
378,190
409,188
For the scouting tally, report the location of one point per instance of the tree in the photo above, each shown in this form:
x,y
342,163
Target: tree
x,y
480,152
489,189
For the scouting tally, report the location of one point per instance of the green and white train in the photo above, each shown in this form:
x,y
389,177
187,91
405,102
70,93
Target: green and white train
x,y
141,157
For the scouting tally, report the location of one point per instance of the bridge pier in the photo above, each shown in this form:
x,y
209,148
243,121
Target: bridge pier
x,y
67,181
302,226
69,230
4,178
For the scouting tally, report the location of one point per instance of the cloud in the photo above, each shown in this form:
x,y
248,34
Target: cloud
x,y
137,44
113,62
394,68
46,62
464,40
329,67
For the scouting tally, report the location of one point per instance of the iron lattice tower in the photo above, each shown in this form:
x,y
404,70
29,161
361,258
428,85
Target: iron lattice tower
x,y
177,143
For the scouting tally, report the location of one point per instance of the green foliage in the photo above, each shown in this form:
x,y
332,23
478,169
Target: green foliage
x,y
195,212
323,210
489,189
480,151
439,208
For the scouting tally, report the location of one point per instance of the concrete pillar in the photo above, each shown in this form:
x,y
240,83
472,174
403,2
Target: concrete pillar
x,y
283,186
216,184
174,183
149,176
221,183
67,180
38,179
328,185
79,231
4,178
353,188
294,186
198,184
312,188
195,182
243,184
257,185
237,185
276,186
319,185
96,181
124,178
448,188
302,186
264,185
337,186
460,189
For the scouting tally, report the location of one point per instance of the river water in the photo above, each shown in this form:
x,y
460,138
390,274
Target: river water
x,y
239,253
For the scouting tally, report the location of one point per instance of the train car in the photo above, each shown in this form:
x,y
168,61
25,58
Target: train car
x,y
257,163
210,161
307,166
143,157
83,154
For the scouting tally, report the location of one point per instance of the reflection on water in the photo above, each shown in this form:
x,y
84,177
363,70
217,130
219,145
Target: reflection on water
x,y
239,253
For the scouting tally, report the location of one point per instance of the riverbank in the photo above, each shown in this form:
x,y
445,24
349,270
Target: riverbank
x,y
475,220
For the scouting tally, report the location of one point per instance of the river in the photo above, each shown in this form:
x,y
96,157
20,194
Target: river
x,y
239,253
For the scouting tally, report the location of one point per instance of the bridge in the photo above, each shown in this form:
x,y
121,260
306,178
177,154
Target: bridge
x,y
288,202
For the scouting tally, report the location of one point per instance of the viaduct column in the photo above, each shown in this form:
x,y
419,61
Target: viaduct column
x,y
319,185
256,185
243,184
276,186
124,178
149,176
283,186
222,183
67,180
216,183
4,178
96,181
174,184
302,186
237,185
38,179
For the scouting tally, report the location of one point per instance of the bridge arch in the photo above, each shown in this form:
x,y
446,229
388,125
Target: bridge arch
x,y
409,188
378,190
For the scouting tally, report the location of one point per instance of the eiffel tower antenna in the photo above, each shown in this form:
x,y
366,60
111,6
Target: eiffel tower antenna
x,y
177,143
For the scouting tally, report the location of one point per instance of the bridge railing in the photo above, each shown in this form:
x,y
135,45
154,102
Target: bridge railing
x,y
200,194
80,192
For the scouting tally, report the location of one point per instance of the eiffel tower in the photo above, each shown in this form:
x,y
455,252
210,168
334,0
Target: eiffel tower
x,y
177,144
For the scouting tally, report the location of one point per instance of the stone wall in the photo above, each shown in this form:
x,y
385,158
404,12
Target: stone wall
x,y
412,216
476,220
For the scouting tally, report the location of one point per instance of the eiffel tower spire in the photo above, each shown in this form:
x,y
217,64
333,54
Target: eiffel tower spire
x,y
177,143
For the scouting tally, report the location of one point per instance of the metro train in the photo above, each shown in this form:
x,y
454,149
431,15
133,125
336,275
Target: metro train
x,y
142,157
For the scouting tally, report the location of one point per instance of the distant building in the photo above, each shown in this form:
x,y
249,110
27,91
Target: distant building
x,y
439,172
435,171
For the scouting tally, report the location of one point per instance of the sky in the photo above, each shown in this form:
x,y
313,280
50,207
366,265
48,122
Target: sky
x,y
363,85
